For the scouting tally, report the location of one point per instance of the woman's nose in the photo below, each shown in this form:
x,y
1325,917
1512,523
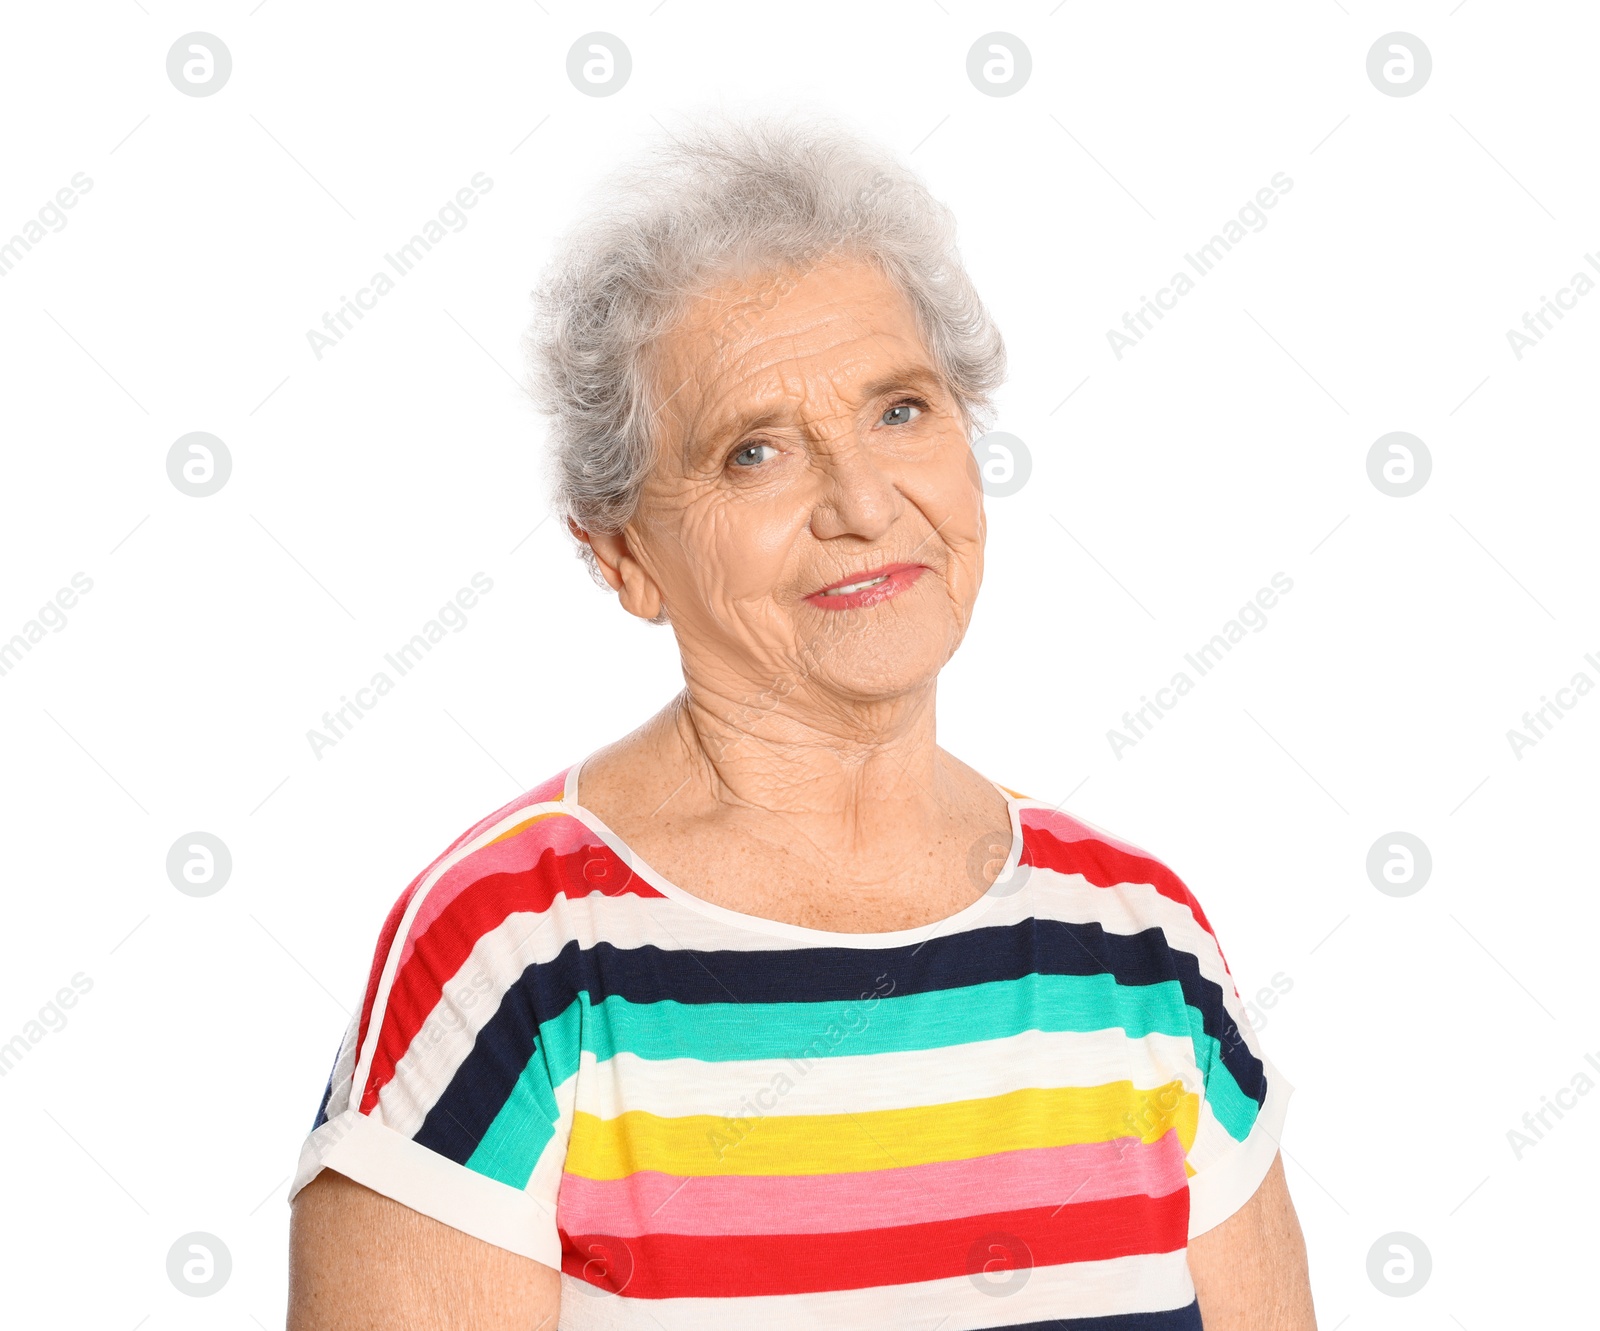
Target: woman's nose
x,y
858,498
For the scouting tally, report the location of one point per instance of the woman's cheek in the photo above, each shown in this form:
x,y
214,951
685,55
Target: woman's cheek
x,y
949,491
757,538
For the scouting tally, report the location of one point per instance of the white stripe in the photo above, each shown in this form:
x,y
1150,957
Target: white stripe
x,y
843,1083
339,1078
467,1002
1128,908
1145,1283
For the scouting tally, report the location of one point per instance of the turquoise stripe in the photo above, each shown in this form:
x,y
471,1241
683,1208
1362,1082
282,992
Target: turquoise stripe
x,y
527,1121
731,1032
1235,1110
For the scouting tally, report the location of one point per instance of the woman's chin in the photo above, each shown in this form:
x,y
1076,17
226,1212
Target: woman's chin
x,y
873,671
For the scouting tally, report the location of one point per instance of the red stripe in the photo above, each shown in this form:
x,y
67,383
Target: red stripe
x,y
479,907
1106,866
548,789
670,1266
391,926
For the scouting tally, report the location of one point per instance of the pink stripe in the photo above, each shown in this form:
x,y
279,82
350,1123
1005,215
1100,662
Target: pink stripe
x,y
549,789
552,788
1065,828
516,854
653,1203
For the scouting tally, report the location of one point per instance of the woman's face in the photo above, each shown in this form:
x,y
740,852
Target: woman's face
x,y
815,521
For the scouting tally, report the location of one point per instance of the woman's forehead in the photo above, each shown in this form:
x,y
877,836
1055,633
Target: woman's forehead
x,y
742,312
840,331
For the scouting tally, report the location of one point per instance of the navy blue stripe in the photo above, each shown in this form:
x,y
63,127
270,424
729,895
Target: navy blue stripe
x,y
1173,1319
327,1094
844,974
506,1044
504,1047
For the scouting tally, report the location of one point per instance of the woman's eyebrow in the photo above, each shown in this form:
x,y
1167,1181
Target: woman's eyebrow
x,y
727,429
906,376
898,379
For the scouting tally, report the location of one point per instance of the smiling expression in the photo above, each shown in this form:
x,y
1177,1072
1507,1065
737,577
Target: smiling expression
x,y
815,514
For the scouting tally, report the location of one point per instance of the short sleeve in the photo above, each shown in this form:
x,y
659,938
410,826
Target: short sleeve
x,y
1243,1097
453,1086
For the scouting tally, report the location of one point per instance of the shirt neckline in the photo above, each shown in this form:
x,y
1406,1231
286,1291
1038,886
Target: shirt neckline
x,y
1002,886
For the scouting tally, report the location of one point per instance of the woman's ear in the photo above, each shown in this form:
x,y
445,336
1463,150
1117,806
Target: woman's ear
x,y
624,574
598,548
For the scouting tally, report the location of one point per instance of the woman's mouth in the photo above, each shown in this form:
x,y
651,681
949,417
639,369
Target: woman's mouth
x,y
867,588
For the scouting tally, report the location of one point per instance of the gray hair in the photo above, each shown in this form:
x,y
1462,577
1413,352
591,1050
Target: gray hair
x,y
728,197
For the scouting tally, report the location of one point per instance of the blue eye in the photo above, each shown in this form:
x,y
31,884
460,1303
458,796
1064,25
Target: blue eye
x,y
743,459
902,411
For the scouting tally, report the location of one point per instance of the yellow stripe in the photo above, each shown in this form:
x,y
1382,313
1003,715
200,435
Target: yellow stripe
x,y
523,826
778,1144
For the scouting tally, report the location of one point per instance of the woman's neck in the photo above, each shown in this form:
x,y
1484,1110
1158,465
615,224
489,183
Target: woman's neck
x,y
796,755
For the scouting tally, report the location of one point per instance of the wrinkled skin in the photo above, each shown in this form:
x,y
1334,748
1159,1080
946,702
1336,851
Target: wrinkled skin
x,y
734,542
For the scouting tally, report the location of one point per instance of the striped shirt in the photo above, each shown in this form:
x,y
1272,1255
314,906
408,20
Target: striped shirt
x,y
1013,1117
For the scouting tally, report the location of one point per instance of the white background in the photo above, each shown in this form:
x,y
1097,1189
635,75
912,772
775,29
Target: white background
x,y
1231,444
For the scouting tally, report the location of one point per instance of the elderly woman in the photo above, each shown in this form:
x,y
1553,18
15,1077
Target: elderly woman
x,y
773,1014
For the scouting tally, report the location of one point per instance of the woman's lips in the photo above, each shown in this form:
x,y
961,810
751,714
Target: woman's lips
x,y
869,588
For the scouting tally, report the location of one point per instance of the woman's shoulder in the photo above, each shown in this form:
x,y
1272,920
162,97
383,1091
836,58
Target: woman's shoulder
x,y
530,851
470,925
516,862
434,1029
